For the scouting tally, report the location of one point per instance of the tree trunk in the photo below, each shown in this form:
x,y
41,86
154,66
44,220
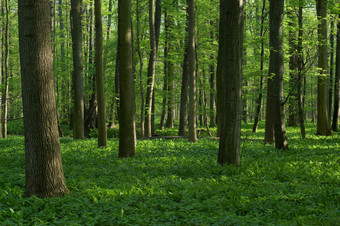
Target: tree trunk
x,y
323,125
331,69
293,58
140,71
1,65
127,123
335,125
77,76
102,133
192,74
5,78
182,131
300,76
151,71
44,171
259,99
230,72
276,69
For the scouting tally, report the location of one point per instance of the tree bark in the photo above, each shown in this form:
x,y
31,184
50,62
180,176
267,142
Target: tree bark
x,y
77,75
300,73
1,65
151,71
323,125
5,78
230,72
276,69
335,125
127,123
192,73
44,171
182,131
102,133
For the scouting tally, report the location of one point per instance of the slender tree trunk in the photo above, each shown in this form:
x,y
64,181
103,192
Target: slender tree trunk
x,y
331,69
77,76
170,77
300,73
127,123
335,125
102,134
5,78
192,73
323,125
259,99
276,69
44,171
151,71
1,65
140,71
230,72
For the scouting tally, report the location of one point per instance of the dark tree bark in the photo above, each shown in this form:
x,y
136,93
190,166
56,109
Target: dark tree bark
x,y
323,125
192,73
182,131
331,69
300,76
140,71
335,125
44,171
230,71
77,76
127,123
1,65
169,72
276,69
102,134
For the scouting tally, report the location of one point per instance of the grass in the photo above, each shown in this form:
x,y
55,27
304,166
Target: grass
x,y
174,182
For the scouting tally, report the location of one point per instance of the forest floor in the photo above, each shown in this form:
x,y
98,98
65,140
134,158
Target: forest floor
x,y
174,182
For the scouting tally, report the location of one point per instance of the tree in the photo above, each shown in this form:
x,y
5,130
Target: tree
x,y
323,125
1,46
77,75
151,71
102,134
229,69
276,70
127,123
44,171
182,131
192,73
5,77
335,125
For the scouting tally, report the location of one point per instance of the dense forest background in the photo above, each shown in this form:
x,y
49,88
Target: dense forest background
x,y
169,63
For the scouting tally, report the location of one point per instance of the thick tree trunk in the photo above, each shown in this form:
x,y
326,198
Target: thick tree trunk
x,y
77,76
276,69
182,131
335,125
127,123
44,171
192,73
102,134
230,72
323,125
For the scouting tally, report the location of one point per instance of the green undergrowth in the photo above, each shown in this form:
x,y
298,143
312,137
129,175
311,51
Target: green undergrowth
x,y
174,182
